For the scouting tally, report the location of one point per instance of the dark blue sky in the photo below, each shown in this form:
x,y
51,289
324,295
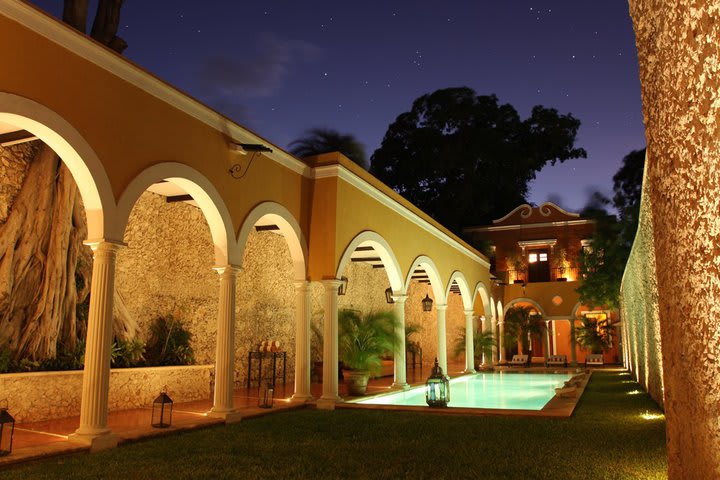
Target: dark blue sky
x,y
280,67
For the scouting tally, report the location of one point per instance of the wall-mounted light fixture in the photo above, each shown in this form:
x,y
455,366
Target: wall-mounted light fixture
x,y
237,170
342,289
389,295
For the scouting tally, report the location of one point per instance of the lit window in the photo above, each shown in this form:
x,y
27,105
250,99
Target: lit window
x,y
532,258
543,257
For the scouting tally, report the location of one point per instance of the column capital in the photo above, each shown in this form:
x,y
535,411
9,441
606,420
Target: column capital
x,y
399,298
104,244
441,308
301,285
233,270
331,283
469,312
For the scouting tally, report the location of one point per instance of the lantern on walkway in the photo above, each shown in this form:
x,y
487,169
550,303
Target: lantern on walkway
x,y
266,399
162,410
7,428
437,387
427,303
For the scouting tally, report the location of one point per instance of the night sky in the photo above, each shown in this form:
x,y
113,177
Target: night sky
x,y
281,67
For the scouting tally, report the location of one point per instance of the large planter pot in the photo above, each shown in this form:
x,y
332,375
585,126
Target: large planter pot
x,y
357,381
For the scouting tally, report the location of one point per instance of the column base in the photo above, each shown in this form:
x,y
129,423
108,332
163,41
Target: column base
x,y
300,398
469,370
230,416
97,442
327,403
400,386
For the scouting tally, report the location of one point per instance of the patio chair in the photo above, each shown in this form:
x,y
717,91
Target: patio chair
x,y
519,361
556,361
594,360
566,392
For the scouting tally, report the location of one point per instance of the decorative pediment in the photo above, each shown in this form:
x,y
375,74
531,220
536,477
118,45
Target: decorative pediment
x,y
546,212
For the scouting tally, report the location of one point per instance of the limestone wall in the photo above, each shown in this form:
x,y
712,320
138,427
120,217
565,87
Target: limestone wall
x,y
639,307
39,396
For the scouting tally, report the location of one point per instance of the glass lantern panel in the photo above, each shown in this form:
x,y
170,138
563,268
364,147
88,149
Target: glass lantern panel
x,y
6,432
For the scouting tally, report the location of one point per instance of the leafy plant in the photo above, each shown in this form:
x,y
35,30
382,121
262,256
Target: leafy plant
x,y
169,342
410,330
5,359
483,343
65,359
522,322
127,353
593,335
364,339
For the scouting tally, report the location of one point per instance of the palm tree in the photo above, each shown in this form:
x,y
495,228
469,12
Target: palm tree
x,y
522,323
324,140
592,335
483,343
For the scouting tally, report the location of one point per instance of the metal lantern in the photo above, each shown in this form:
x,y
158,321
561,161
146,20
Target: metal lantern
x,y
266,399
427,303
7,428
342,289
437,387
162,410
389,295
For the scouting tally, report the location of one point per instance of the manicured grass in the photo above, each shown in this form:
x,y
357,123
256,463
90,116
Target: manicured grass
x,y
607,438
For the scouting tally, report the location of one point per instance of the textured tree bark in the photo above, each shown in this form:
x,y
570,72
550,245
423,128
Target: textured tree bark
x,y
679,60
40,244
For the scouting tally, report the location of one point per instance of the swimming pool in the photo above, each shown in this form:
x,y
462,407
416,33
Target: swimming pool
x,y
501,390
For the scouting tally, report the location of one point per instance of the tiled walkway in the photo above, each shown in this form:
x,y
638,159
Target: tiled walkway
x,y
41,439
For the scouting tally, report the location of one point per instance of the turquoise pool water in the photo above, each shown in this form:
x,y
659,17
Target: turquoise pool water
x,y
502,390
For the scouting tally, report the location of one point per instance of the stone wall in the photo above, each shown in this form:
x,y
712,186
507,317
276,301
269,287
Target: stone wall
x,y
639,307
39,396
167,269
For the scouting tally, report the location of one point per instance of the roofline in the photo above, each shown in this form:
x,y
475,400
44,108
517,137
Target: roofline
x,y
542,208
518,226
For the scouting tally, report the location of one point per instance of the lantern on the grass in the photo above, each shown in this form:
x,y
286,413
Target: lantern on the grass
x,y
265,400
437,387
7,428
162,410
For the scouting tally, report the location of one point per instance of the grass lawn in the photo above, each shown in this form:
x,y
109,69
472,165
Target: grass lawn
x,y
607,438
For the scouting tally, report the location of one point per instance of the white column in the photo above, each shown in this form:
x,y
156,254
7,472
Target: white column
x,y
442,342
573,352
546,347
554,339
501,340
330,347
302,341
223,404
93,428
469,342
493,326
487,359
400,380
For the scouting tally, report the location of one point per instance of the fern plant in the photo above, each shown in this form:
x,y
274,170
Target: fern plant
x,y
364,339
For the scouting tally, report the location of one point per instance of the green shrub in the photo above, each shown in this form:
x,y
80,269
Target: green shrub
x,y
127,353
5,359
169,343
64,360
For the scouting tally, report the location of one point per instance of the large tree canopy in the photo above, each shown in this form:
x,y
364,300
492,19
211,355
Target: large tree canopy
x,y
602,267
464,158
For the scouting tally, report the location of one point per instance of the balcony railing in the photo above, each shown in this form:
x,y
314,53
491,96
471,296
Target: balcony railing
x,y
566,274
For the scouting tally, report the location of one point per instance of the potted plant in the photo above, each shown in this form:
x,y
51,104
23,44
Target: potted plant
x,y
517,263
560,263
521,324
483,343
362,341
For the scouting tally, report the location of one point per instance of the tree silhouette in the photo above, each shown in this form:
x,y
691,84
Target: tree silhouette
x,y
324,140
465,159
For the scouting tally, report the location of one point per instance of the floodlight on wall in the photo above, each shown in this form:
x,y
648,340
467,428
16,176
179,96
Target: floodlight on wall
x,y
342,289
389,295
237,170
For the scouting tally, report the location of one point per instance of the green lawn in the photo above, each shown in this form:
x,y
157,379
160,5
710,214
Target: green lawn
x,y
607,438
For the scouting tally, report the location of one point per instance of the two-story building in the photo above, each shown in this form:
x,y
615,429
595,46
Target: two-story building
x,y
535,253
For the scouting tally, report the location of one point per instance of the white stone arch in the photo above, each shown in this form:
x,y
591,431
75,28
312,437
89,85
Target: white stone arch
x,y
500,311
80,158
275,213
493,309
575,309
481,289
369,238
433,274
532,302
458,277
202,191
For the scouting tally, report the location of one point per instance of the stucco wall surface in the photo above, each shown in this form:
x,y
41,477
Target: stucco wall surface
x,y
639,307
39,396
